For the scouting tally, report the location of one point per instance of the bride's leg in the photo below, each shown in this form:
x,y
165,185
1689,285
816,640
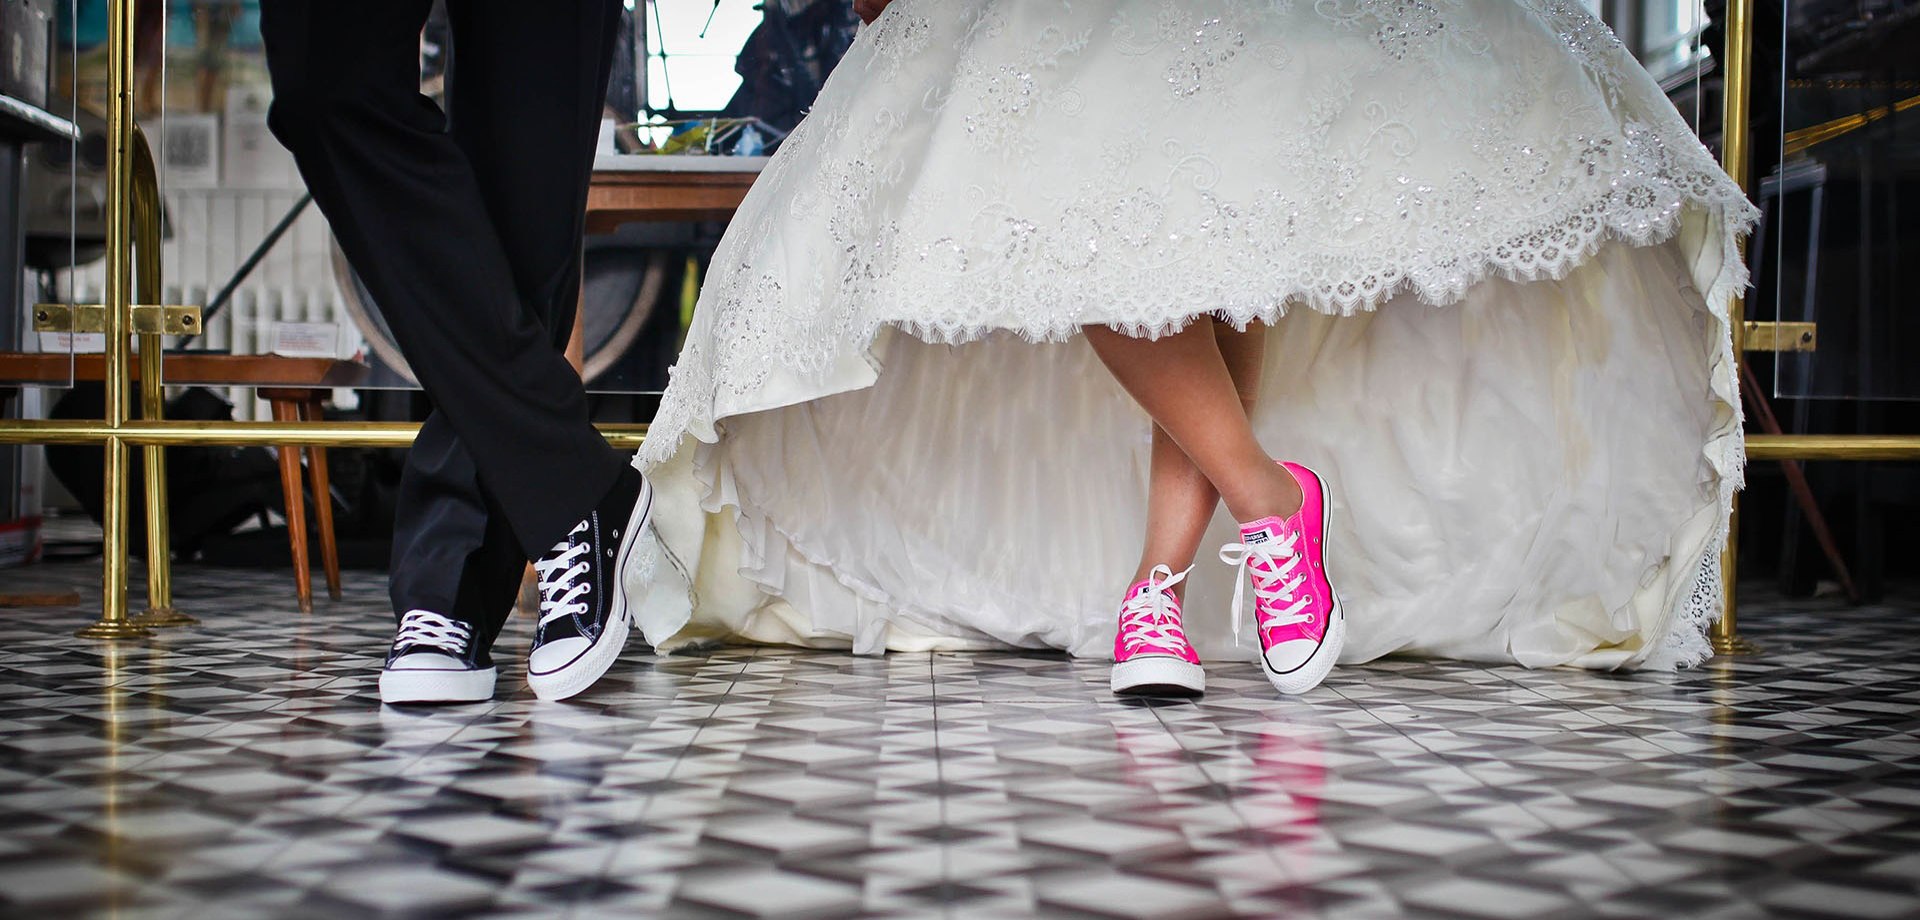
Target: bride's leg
x,y
1184,383
1180,502
1180,499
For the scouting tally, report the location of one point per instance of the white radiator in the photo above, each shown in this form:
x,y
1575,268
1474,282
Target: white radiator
x,y
211,232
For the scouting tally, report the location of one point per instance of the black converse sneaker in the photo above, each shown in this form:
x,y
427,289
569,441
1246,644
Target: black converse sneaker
x,y
583,595
433,660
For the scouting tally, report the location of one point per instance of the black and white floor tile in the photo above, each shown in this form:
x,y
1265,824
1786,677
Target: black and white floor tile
x,y
244,768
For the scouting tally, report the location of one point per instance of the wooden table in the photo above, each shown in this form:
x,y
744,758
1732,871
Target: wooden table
x,y
187,369
627,189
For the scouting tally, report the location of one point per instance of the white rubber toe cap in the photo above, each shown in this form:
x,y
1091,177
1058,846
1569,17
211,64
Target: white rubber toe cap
x,y
1157,672
409,684
428,661
1300,665
1291,655
557,654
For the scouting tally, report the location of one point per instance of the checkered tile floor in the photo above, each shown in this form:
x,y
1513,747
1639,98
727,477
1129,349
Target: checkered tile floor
x,y
244,768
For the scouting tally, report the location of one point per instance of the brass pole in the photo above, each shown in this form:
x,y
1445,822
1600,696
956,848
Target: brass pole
x,y
293,434
1833,447
400,434
1734,132
147,210
113,622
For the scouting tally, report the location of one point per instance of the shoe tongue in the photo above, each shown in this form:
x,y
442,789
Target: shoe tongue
x,y
1145,588
1265,530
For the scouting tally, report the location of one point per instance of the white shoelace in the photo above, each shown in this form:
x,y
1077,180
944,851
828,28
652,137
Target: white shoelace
x,y
1277,585
559,579
1150,614
431,630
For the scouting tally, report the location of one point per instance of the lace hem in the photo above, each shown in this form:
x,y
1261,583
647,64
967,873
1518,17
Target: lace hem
x,y
693,378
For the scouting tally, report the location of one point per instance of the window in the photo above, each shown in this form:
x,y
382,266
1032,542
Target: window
x,y
1669,39
691,46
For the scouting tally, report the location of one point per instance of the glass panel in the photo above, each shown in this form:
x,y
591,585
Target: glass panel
x,y
54,179
1837,161
40,158
240,239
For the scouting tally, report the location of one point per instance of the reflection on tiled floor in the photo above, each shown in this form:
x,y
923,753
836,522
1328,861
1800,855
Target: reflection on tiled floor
x,y
244,768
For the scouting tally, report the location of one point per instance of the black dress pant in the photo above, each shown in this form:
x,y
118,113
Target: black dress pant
x,y
466,226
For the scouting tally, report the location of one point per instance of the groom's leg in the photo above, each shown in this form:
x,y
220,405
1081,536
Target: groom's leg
x,y
408,208
529,139
529,133
453,552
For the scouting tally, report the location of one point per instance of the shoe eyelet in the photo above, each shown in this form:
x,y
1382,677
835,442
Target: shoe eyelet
x,y
609,552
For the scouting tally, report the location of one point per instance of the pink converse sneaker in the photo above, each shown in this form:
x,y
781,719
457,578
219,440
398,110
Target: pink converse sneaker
x,y
1295,608
1151,653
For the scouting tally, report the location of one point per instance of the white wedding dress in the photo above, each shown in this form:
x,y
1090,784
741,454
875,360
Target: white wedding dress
x,y
1495,261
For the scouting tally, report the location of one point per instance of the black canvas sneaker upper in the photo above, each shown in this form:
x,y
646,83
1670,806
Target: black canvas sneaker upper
x,y
578,576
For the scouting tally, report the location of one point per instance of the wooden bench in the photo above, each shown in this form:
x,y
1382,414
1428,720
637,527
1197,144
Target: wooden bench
x,y
295,388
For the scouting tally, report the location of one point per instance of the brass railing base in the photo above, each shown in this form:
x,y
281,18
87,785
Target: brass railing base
x,y
113,629
1734,646
164,616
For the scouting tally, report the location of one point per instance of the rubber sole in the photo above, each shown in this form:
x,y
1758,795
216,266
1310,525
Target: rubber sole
x,y
1157,675
574,677
427,686
1309,675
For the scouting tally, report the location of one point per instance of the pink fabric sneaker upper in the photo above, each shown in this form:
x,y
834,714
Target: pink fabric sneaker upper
x,y
1281,558
1150,620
